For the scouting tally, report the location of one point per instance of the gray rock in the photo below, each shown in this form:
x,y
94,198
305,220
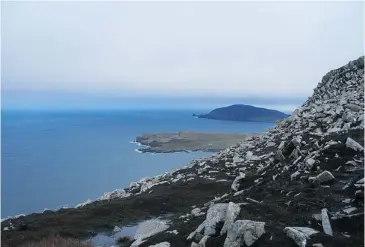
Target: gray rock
x,y
350,143
149,228
326,223
193,244
309,163
163,244
196,211
215,214
353,107
244,231
236,183
282,145
203,241
322,177
116,229
279,156
299,234
233,211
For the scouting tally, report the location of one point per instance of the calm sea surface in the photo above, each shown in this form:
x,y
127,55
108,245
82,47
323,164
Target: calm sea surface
x,y
55,159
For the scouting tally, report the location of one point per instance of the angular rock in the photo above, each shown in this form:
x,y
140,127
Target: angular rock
x,y
299,234
244,231
350,143
309,163
236,183
322,177
193,244
116,229
203,241
149,228
233,211
326,223
215,214
163,244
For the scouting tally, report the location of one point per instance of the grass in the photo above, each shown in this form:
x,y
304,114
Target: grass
x,y
58,242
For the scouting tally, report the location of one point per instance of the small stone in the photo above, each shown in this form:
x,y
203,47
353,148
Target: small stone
x,y
350,143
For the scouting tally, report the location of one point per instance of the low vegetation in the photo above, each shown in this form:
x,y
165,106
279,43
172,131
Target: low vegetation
x,y
58,242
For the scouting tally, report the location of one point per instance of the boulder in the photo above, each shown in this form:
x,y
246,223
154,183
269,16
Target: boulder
x,y
299,234
350,143
233,211
323,177
149,228
244,231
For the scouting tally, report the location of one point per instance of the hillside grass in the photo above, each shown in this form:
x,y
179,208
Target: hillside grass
x,y
58,242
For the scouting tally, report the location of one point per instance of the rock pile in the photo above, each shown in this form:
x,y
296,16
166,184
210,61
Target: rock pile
x,y
310,162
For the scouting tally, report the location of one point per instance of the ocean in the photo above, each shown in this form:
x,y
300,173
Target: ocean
x,y
62,158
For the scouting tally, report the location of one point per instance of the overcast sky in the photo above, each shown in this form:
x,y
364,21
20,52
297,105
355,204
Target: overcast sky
x,y
228,49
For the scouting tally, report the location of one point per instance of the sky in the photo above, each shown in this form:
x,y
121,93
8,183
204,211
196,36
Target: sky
x,y
116,54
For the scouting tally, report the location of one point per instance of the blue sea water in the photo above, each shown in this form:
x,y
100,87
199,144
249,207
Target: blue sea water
x,y
54,159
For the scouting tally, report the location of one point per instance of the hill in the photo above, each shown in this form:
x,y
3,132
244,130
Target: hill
x,y
244,113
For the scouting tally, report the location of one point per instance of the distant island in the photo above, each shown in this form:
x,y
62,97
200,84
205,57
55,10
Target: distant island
x,y
242,112
189,142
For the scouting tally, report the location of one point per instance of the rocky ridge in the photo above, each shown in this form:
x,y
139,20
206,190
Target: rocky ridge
x,y
299,184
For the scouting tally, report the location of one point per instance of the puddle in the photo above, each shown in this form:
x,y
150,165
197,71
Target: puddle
x,y
104,239
107,240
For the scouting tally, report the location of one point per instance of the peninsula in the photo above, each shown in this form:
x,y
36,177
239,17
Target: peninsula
x,y
189,141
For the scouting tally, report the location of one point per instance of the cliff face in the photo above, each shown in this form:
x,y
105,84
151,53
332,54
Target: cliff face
x,y
302,183
244,113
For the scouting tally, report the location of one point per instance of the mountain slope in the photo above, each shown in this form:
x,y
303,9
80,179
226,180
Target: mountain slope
x,y
300,184
244,113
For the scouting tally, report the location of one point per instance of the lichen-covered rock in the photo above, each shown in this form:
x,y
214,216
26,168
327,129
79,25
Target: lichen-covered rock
x,y
244,231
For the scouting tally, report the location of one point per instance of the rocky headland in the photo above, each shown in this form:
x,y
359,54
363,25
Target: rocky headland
x,y
242,112
188,142
299,184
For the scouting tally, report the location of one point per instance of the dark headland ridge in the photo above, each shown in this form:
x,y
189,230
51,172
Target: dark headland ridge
x,y
299,184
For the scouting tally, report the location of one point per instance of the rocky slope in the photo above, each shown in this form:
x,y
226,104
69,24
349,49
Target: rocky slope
x,y
244,113
300,184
